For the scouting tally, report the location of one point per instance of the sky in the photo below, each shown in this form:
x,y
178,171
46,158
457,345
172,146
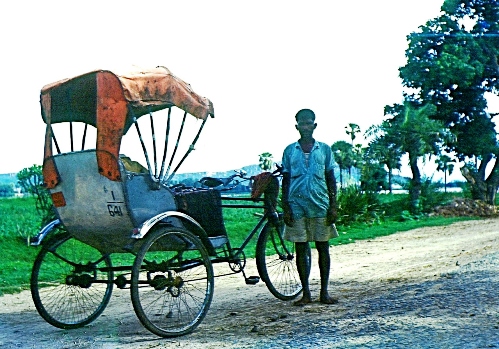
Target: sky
x,y
259,62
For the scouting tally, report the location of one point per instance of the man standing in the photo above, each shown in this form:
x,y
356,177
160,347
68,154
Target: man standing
x,y
309,202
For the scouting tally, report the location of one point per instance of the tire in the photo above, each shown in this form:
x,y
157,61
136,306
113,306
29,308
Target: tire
x,y
172,282
71,282
275,260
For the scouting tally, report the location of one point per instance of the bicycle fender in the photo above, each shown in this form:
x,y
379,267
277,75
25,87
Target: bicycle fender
x,y
37,240
143,230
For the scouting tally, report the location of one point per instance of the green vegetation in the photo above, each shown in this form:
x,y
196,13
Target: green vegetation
x,y
31,181
6,190
19,220
365,232
451,69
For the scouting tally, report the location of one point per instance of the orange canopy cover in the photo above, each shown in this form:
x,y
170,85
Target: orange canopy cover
x,y
111,103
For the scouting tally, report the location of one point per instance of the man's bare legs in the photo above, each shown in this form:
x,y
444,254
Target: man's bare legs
x,y
303,266
324,266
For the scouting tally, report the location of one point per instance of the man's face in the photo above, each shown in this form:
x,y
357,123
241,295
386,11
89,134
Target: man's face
x,y
306,127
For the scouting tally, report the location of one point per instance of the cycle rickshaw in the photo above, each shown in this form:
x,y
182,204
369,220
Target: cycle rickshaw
x,y
165,236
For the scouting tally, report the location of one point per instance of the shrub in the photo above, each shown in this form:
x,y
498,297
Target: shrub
x,y
431,196
31,181
355,206
6,190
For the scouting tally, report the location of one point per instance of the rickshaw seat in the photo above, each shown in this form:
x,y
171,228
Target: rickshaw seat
x,y
132,166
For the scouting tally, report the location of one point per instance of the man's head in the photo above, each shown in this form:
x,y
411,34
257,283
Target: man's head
x,y
305,123
305,114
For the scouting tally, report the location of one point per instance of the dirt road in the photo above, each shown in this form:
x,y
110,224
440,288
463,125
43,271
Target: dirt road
x,y
426,288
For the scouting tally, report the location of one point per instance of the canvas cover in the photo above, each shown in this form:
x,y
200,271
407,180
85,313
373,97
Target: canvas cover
x,y
110,102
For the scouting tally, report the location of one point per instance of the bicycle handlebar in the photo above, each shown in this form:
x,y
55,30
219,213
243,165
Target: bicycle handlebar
x,y
224,184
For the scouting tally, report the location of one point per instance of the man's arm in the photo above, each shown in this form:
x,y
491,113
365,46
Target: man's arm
x,y
332,213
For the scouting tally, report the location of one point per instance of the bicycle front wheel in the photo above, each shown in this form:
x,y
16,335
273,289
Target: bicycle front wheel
x,y
275,260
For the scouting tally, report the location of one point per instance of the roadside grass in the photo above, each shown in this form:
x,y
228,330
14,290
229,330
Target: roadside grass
x,y
18,217
354,233
19,220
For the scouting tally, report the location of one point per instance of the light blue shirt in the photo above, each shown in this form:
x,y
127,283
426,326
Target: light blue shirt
x,y
308,195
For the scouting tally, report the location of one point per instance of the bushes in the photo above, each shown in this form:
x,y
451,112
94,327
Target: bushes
x,y
430,197
31,181
355,206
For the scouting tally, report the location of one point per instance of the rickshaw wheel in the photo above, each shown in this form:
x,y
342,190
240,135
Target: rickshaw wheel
x,y
172,282
275,260
71,282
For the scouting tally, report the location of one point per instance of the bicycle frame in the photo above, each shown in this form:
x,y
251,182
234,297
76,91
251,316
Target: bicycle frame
x,y
256,228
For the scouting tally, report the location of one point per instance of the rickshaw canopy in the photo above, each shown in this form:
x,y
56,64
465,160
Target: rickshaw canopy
x,y
111,102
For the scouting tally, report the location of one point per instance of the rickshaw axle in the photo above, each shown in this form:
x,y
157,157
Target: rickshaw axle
x,y
83,281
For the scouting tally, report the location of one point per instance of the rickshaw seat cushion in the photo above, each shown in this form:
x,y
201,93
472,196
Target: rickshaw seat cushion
x,y
205,206
132,166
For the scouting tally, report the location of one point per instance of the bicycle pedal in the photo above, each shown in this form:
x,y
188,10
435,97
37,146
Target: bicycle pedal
x,y
252,280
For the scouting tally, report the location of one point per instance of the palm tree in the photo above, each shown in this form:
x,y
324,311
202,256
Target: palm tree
x,y
386,150
446,165
354,129
266,161
418,136
344,157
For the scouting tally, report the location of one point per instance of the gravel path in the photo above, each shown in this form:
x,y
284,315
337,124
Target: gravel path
x,y
426,288
457,310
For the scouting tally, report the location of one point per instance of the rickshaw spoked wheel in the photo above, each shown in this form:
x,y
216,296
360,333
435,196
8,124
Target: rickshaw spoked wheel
x,y
71,282
172,282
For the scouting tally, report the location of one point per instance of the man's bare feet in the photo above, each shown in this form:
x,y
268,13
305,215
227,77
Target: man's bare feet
x,y
302,302
328,300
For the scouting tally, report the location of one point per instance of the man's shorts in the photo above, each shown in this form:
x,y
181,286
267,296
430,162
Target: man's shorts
x,y
310,229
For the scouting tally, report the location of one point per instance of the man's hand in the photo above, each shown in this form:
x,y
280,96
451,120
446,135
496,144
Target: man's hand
x,y
288,216
332,215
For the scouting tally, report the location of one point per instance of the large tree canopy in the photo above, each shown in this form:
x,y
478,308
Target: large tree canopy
x,y
452,62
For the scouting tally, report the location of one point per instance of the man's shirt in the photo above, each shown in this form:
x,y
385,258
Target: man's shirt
x,y
308,195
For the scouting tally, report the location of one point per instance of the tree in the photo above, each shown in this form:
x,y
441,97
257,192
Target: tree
x,y
445,164
452,62
344,156
417,135
266,161
385,149
6,190
373,175
31,181
352,130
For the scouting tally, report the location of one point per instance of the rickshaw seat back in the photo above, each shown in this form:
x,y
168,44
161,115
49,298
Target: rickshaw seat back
x,y
205,206
101,212
91,206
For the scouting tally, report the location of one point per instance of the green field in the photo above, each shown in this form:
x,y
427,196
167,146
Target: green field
x,y
19,221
